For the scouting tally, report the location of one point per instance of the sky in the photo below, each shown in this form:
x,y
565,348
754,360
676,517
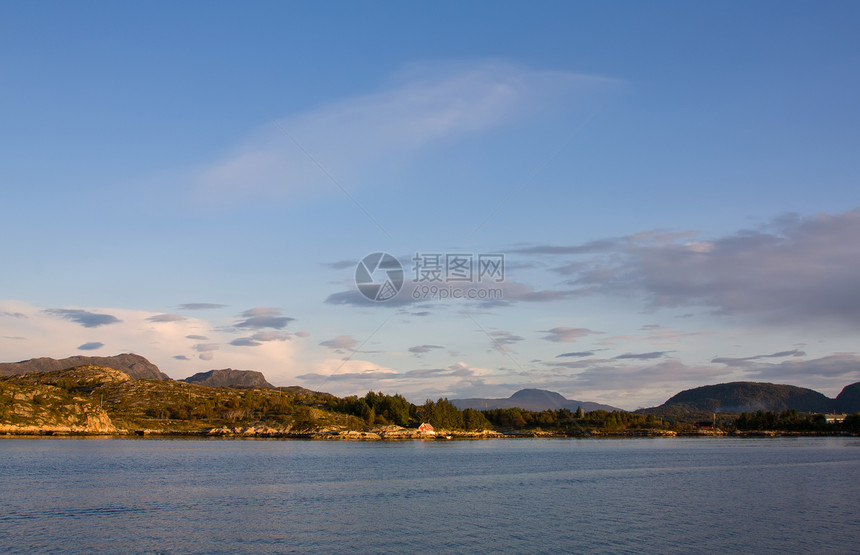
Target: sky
x,y
627,199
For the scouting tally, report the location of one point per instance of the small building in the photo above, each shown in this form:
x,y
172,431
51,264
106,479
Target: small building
x,y
834,418
426,428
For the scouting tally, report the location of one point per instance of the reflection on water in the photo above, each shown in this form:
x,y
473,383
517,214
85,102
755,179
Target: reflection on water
x,y
613,496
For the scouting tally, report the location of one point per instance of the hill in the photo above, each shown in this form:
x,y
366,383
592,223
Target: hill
x,y
238,379
98,399
57,402
755,396
848,401
135,366
530,399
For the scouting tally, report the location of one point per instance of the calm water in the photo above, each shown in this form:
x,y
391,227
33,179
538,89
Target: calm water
x,y
527,496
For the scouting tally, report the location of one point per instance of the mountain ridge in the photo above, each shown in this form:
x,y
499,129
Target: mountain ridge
x,y
756,396
530,399
134,365
228,377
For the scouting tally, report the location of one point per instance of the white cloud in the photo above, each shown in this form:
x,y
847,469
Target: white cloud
x,y
163,342
427,105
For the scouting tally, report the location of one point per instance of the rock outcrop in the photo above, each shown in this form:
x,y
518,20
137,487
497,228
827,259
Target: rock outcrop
x,y
51,405
237,379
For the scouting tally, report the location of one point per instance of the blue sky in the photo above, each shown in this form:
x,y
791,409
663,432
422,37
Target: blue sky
x,y
673,186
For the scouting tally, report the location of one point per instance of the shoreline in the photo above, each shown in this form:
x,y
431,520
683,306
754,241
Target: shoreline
x,y
393,435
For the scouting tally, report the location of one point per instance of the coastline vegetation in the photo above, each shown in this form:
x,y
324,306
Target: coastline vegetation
x,y
93,399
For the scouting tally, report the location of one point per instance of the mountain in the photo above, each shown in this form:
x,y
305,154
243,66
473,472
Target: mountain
x,y
750,397
530,399
848,401
237,379
135,366
94,399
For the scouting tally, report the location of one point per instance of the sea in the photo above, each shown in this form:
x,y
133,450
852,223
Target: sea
x,y
667,495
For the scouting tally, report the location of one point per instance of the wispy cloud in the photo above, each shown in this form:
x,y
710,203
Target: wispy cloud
x,y
841,367
577,354
421,349
91,346
642,356
84,317
341,343
567,335
502,339
749,361
167,318
201,306
259,338
263,317
427,105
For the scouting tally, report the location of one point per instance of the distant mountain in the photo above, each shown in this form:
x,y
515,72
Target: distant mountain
x,y
530,399
134,365
237,379
848,400
755,396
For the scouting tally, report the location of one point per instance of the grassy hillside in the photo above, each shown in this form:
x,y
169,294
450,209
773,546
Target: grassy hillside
x,y
737,397
160,405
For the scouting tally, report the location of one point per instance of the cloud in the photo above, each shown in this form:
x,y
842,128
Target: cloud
x,y
245,342
840,366
457,370
18,315
792,271
347,377
270,336
652,383
84,317
340,343
576,364
91,346
420,349
366,376
577,354
167,318
352,297
263,317
181,357
51,336
426,106
748,361
201,306
302,334
567,335
642,356
501,340
206,356
483,294
259,338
